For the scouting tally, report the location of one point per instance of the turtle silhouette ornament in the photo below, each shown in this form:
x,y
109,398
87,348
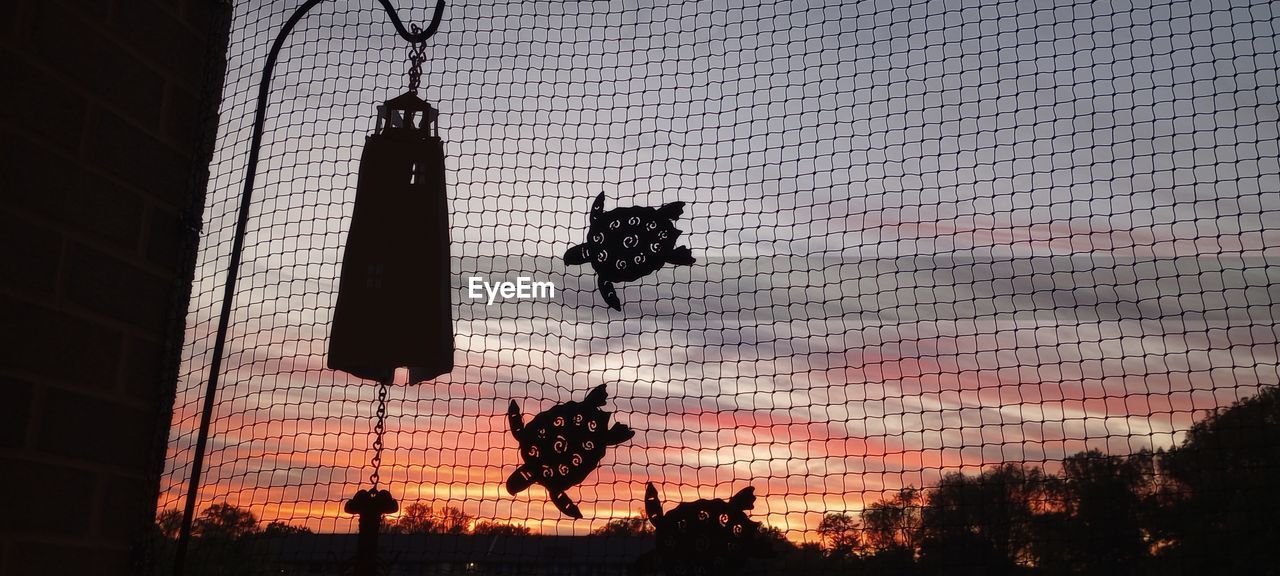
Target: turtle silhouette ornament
x,y
562,445
706,537
626,244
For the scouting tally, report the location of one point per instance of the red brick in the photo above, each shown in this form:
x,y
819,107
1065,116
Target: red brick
x,y
115,288
40,497
48,107
43,341
166,243
127,506
15,412
45,559
14,21
183,120
142,370
206,17
141,25
30,264
139,159
107,211
201,14
10,17
93,430
37,179
52,186
95,12
92,61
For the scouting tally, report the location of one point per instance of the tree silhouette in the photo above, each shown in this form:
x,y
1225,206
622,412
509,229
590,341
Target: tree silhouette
x,y
776,539
417,518
891,531
983,524
486,528
633,526
786,557
223,543
279,528
894,525
806,558
420,518
839,532
169,523
1220,504
225,522
1099,522
452,520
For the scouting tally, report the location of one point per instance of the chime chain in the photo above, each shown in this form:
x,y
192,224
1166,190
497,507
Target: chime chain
x,y
379,429
417,55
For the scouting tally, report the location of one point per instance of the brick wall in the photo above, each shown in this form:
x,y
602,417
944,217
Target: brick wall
x,y
105,130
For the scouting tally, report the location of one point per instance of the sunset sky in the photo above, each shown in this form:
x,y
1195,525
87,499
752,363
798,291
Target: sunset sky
x,y
929,238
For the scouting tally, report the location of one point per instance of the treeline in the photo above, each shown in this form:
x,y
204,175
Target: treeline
x,y
1207,506
223,521
225,540
420,518
228,540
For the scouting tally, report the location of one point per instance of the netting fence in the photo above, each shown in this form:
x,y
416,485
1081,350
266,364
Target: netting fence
x,y
931,237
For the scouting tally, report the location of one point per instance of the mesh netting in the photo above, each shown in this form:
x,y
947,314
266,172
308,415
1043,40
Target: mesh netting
x,y
931,238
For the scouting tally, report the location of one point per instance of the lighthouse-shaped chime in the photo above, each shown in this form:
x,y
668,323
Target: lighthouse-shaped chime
x,y
394,308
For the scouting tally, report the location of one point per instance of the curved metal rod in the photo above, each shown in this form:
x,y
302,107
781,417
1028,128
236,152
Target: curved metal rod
x,y
237,245
421,36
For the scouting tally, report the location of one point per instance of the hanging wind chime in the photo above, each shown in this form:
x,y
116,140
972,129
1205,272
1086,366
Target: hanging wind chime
x,y
393,308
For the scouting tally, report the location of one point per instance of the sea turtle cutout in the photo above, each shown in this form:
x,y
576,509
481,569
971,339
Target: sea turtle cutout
x,y
626,244
562,445
706,537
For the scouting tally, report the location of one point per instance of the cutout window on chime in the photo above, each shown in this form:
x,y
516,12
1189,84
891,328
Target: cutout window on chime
x,y
391,117
373,277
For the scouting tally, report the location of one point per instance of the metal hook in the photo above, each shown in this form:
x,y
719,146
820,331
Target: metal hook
x,y
416,37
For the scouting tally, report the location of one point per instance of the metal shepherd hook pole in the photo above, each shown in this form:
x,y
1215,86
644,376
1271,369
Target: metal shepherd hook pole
x,y
220,339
